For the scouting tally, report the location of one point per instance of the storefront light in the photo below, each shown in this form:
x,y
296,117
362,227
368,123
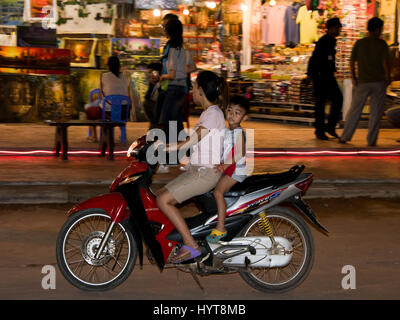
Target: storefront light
x,y
157,12
185,12
244,7
272,3
211,4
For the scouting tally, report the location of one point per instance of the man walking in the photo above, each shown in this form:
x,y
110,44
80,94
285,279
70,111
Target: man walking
x,y
372,57
321,69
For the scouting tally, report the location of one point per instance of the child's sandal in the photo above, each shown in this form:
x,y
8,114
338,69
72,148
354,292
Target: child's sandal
x,y
215,236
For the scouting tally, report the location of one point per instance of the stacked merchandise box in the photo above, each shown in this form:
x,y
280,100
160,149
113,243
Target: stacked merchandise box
x,y
301,91
262,91
280,91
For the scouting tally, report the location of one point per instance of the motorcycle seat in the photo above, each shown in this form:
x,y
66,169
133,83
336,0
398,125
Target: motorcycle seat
x,y
260,181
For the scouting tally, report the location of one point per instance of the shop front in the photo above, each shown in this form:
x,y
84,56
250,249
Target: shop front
x,y
52,53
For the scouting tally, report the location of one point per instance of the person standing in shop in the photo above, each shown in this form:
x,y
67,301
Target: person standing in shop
x,y
178,65
321,70
372,57
163,60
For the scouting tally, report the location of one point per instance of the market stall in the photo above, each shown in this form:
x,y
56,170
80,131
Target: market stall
x,y
282,38
90,31
262,47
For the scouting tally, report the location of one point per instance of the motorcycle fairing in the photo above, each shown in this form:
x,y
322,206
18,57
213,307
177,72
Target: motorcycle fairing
x,y
140,222
157,217
134,168
263,180
308,212
113,203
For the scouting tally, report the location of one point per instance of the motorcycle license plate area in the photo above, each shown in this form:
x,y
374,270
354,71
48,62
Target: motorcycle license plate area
x,y
263,257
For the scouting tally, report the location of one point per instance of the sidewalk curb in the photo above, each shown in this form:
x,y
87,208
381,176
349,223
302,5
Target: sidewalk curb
x,y
41,192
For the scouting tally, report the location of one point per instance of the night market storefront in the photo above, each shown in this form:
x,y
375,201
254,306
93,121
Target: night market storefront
x,y
52,53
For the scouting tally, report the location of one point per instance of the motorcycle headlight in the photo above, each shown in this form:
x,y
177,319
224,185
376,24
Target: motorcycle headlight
x,y
132,151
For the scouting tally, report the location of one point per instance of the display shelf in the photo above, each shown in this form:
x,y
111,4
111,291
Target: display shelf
x,y
284,117
288,103
197,25
197,38
200,37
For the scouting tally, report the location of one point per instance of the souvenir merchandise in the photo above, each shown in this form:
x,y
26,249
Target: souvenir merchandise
x,y
292,30
275,25
8,36
354,27
280,77
82,51
36,36
301,91
26,60
387,13
308,25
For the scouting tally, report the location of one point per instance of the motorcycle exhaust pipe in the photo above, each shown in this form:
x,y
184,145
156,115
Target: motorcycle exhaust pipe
x,y
238,250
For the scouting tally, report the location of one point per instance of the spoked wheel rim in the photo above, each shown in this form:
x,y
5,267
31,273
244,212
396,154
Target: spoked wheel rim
x,y
283,227
81,243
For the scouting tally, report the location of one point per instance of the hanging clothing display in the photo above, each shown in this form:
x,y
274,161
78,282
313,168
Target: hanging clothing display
x,y
255,26
308,25
387,14
264,22
273,24
292,29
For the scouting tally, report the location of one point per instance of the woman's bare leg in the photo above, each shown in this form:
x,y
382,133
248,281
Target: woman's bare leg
x,y
166,202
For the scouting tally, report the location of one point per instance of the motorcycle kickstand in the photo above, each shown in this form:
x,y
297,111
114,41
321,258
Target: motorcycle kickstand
x,y
196,279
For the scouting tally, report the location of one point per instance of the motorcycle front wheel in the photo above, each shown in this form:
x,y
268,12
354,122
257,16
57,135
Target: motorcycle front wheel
x,y
77,245
287,224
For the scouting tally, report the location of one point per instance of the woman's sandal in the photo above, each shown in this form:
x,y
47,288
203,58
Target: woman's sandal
x,y
186,253
215,236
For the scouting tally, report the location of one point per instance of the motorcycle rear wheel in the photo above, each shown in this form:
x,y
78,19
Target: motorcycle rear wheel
x,y
78,242
290,225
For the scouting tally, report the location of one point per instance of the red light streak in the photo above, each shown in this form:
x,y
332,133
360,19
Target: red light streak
x,y
256,154
325,152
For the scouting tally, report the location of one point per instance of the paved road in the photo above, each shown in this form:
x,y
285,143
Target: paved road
x,y
363,233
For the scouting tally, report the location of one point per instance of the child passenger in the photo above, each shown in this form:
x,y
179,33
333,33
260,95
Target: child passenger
x,y
233,164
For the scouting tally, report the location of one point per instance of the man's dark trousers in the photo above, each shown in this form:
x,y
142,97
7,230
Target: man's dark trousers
x,y
327,89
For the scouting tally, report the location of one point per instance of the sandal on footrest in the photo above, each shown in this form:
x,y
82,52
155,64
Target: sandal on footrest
x,y
215,236
186,253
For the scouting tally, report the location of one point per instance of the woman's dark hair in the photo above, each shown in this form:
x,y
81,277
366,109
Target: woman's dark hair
x,y
170,16
214,87
114,65
174,31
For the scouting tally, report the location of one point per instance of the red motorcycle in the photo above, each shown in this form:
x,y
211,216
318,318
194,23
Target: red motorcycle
x,y
269,245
